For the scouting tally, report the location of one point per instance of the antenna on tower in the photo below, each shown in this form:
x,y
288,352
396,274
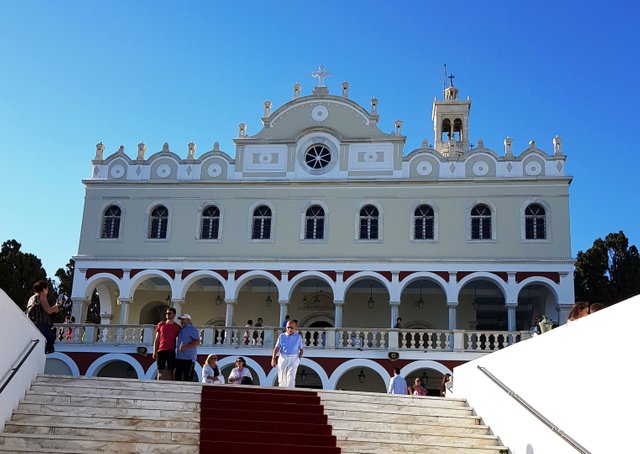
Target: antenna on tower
x,y
444,80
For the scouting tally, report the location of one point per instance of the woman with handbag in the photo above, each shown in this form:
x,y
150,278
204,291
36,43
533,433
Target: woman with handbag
x,y
39,311
240,374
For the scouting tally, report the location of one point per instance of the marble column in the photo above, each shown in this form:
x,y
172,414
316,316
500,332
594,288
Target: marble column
x,y
124,310
338,313
395,310
453,312
177,305
284,310
511,316
228,320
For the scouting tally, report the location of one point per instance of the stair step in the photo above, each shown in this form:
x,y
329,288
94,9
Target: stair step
x,y
411,424
308,439
234,395
396,399
272,390
396,408
37,443
277,447
54,419
222,405
89,411
157,435
107,382
364,446
401,417
112,402
85,391
272,415
265,426
418,438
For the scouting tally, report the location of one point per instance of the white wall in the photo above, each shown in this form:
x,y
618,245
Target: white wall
x,y
582,376
17,333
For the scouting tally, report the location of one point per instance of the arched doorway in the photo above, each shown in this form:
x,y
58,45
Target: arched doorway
x,y
153,313
482,307
534,301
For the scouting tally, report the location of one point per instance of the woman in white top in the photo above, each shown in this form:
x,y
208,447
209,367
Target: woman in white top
x,y
210,372
240,375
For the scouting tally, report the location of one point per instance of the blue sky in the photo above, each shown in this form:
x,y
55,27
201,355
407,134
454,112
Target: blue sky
x,y
74,73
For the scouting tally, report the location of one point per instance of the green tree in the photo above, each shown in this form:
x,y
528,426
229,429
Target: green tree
x,y
65,276
93,310
19,271
609,271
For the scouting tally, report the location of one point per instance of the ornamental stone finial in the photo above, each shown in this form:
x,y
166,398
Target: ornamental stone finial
x,y
557,146
267,108
216,146
99,151
425,143
165,148
398,127
296,90
345,89
243,129
374,106
121,149
508,141
191,151
532,144
141,149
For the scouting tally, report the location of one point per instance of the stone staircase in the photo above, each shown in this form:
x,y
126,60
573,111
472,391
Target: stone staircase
x,y
63,414
377,423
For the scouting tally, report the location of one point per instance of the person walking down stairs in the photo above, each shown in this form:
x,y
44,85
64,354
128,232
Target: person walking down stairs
x,y
289,347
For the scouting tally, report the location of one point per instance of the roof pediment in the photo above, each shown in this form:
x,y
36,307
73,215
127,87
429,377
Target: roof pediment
x,y
347,118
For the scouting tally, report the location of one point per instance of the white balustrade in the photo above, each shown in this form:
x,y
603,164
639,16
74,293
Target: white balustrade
x,y
313,338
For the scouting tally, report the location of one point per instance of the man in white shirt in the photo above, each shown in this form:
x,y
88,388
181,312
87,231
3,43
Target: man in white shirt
x,y
289,346
397,384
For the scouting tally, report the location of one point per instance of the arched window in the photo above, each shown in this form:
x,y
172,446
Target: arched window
x,y
446,129
481,222
423,223
159,222
210,225
261,229
457,129
535,222
314,223
111,222
369,223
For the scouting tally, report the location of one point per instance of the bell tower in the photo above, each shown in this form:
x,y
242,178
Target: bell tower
x,y
451,121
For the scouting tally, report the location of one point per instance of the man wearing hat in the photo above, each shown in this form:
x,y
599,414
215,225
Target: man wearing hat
x,y
187,349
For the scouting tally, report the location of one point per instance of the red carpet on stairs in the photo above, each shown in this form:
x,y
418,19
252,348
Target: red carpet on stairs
x,y
252,419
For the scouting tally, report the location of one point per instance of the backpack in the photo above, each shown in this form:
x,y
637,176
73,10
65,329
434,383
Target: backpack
x,y
35,312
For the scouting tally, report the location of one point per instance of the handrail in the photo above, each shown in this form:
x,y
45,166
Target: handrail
x,y
26,352
577,446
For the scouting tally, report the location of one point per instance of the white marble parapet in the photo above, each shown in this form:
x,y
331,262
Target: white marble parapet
x,y
371,339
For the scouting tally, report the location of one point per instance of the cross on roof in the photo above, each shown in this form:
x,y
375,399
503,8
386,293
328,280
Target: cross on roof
x,y
320,74
451,77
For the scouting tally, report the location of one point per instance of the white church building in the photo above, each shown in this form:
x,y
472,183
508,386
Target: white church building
x,y
324,216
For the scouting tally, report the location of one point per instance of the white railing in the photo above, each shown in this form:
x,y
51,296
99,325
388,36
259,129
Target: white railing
x,y
313,338
425,339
